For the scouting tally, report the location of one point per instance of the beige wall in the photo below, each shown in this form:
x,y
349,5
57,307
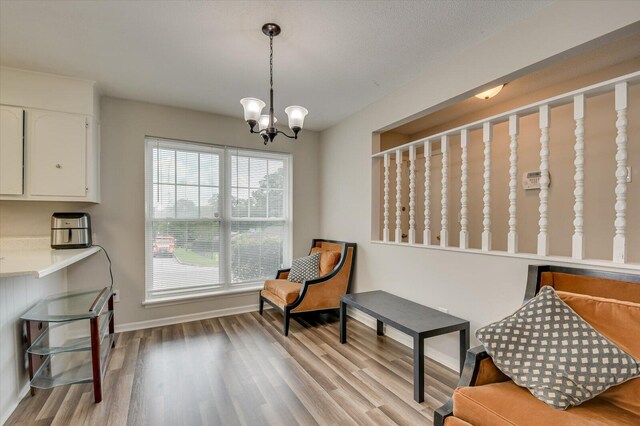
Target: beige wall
x,y
118,221
480,288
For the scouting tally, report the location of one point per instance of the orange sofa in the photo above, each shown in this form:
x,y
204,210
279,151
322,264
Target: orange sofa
x,y
319,295
610,302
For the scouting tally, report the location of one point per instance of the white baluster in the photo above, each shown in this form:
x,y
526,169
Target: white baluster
x,y
387,163
398,235
619,240
426,235
464,222
543,236
412,194
512,237
444,222
577,243
486,210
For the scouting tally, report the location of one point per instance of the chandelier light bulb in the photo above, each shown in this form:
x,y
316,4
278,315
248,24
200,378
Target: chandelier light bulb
x,y
263,122
252,108
296,116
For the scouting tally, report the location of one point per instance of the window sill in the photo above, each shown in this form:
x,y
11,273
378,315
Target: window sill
x,y
190,298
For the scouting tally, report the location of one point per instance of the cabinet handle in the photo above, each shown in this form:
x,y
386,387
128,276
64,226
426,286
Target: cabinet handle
x,y
58,166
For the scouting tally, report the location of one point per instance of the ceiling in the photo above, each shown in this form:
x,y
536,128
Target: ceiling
x,y
615,58
334,58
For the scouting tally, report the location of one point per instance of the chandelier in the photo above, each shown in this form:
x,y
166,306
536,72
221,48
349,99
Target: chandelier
x,y
253,107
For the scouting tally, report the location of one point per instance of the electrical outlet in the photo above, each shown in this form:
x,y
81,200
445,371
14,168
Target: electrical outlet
x,y
628,174
441,309
116,295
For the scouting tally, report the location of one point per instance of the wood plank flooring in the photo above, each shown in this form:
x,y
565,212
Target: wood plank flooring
x,y
241,370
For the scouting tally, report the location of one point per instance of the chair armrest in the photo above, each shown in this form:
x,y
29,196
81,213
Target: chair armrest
x,y
326,287
478,370
442,413
282,274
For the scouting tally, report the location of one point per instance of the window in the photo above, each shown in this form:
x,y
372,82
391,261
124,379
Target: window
x,y
218,219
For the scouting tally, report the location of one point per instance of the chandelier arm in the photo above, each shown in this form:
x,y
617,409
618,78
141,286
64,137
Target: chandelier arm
x,y
280,132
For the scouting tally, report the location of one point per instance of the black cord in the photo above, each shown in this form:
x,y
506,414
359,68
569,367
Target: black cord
x,y
109,259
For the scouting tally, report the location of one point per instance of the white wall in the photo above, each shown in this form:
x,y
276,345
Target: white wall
x,y
118,221
477,287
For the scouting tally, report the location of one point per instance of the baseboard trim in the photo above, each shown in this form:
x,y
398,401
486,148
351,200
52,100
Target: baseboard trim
x,y
23,392
141,325
405,340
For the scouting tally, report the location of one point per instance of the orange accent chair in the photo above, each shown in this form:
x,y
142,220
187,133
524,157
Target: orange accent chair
x,y
610,302
319,295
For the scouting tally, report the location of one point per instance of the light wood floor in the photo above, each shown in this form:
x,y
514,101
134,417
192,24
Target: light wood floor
x,y
241,370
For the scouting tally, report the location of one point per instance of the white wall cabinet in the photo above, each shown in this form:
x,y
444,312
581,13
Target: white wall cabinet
x,y
50,148
57,149
11,150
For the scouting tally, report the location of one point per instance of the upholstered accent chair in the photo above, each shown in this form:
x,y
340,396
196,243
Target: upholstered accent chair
x,y
610,302
318,295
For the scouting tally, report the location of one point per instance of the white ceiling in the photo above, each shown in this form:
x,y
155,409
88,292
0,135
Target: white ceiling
x,y
334,58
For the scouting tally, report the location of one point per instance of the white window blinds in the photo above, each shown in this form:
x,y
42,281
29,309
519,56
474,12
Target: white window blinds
x,y
258,220
216,218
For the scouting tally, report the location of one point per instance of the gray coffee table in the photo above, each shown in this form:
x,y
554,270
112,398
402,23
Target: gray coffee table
x,y
418,321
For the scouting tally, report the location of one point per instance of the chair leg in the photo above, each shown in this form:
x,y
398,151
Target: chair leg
x,y
286,323
261,305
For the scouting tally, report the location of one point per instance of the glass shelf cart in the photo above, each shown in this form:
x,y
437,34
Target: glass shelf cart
x,y
70,337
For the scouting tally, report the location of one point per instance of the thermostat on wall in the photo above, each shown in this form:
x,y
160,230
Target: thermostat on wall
x,y
531,180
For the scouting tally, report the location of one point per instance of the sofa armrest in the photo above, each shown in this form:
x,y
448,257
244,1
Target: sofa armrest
x,y
282,274
478,370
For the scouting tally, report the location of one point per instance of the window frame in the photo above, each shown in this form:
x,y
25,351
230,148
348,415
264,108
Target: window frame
x,y
225,218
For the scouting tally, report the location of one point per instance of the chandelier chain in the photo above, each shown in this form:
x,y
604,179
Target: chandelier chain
x,y
271,61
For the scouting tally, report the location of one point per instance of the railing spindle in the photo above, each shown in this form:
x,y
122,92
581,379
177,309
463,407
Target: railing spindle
x,y
486,210
464,222
385,232
577,242
412,194
444,220
543,236
426,234
512,236
398,236
619,240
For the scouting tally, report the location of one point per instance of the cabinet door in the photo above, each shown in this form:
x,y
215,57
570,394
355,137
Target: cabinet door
x,y
57,146
11,150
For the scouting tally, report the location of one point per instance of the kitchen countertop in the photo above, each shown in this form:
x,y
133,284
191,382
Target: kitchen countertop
x,y
18,258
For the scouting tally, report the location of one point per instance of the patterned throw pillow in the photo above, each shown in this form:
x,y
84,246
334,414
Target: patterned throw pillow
x,y
305,268
559,357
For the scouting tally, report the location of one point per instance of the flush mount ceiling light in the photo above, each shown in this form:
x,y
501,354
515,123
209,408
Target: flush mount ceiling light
x,y
490,93
253,107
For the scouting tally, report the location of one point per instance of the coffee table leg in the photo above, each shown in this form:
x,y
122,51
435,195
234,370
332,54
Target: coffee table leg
x,y
380,329
343,322
464,346
418,368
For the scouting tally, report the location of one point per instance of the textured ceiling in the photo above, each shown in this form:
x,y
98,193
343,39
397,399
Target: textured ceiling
x,y
334,58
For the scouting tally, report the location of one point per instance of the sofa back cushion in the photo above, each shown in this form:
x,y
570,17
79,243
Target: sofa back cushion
x,y
328,259
619,321
594,286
